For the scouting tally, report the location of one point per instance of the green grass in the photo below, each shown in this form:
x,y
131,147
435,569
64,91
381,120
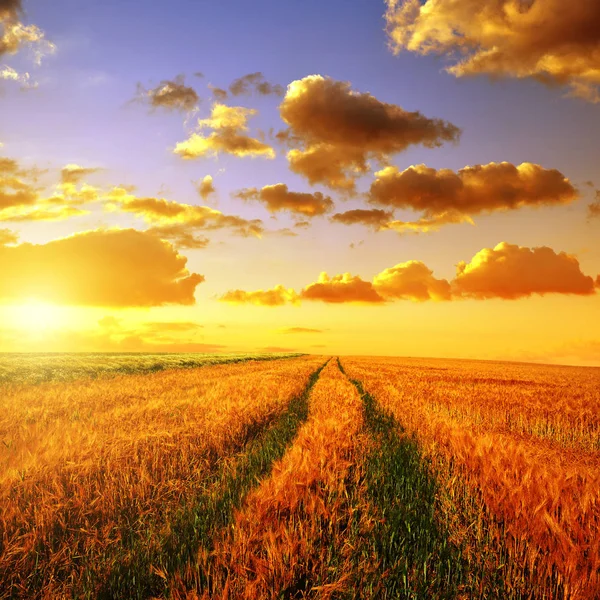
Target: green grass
x,y
136,565
36,368
414,557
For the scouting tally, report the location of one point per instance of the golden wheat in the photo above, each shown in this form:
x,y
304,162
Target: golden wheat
x,y
541,492
84,463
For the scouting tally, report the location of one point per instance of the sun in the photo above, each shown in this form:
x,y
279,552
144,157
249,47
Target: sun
x,y
36,315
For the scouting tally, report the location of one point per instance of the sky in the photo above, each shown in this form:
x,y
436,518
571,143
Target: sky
x,y
404,178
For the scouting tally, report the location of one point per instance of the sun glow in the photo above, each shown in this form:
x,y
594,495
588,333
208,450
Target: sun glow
x,y
37,315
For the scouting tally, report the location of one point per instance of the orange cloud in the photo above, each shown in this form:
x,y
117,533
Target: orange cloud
x,y
336,131
206,187
374,218
444,196
553,41
277,197
341,288
594,207
277,296
255,82
509,271
118,268
178,222
229,125
411,280
170,95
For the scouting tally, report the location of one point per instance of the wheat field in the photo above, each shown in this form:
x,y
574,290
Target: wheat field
x,y
300,477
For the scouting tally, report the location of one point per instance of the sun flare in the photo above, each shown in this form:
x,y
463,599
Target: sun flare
x,y
37,315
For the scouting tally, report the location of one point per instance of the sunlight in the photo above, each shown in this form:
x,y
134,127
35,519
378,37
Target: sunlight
x,y
36,315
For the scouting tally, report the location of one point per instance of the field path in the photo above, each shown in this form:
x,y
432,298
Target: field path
x,y
296,531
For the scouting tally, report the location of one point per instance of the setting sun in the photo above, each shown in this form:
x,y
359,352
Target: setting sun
x,y
37,316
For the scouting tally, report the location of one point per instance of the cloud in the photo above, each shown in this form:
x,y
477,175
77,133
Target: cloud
x,y
255,82
553,41
73,174
299,330
277,197
181,235
41,213
219,94
159,327
443,196
9,74
178,222
170,95
374,218
229,125
335,131
206,187
509,271
594,207
8,237
341,288
116,268
14,35
16,185
277,296
411,280
21,197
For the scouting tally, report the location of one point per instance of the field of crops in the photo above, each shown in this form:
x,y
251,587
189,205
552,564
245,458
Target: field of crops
x,y
33,368
303,477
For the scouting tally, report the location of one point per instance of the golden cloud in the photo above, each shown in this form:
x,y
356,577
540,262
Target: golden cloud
x,y
206,187
375,218
509,271
411,280
277,296
116,268
21,197
278,197
181,235
341,288
16,185
255,82
553,41
338,130
14,35
73,174
444,196
229,125
170,95
8,237
177,221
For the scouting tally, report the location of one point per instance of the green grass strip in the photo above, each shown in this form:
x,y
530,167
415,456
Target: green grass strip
x,y
415,558
38,368
194,527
